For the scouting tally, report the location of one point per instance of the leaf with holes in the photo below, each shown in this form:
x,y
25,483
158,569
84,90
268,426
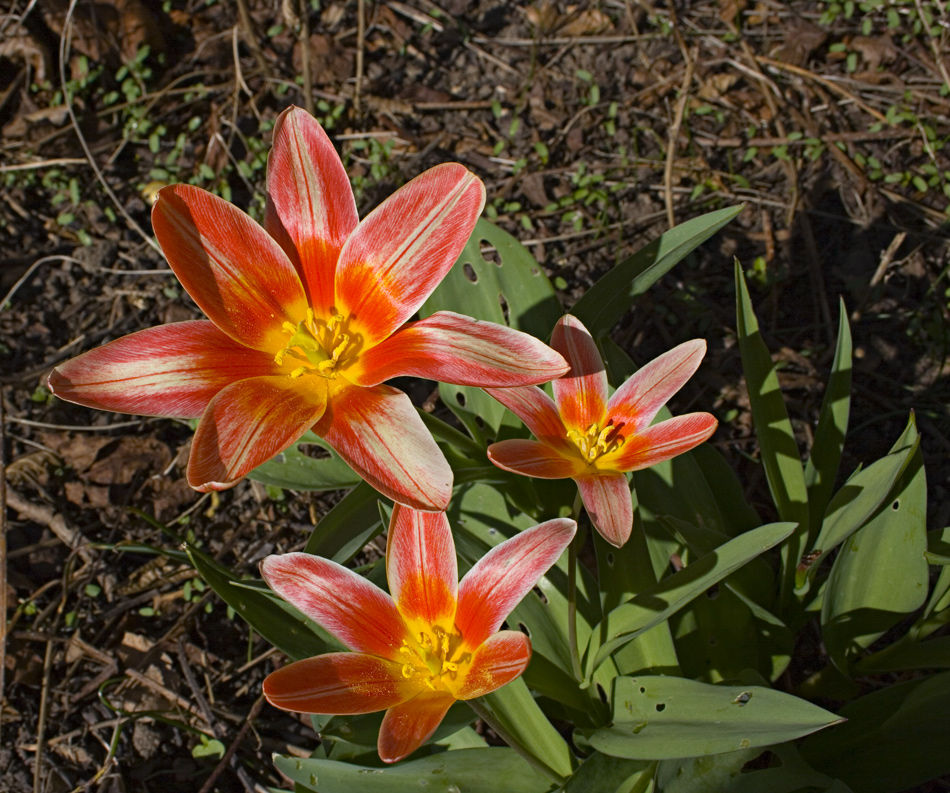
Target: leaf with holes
x,y
294,469
660,718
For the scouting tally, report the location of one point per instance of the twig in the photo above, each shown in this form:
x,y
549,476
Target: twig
x,y
674,135
64,45
56,523
32,268
360,45
3,562
57,163
253,714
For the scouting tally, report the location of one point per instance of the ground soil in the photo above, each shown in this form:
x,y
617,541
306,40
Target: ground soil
x,y
592,126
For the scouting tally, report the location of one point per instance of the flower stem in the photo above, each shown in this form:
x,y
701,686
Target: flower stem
x,y
572,550
487,715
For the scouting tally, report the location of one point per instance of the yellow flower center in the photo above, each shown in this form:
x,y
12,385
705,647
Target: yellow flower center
x,y
319,346
596,440
434,656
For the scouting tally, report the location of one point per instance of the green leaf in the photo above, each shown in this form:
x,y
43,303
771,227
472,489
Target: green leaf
x,y
659,718
471,770
344,530
603,305
294,470
860,498
822,466
659,602
518,714
780,456
275,621
880,576
726,773
601,773
895,738
487,290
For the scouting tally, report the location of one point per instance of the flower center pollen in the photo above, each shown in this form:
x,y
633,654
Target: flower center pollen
x,y
320,347
596,440
433,656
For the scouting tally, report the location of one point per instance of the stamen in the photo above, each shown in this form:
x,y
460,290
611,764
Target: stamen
x,y
596,441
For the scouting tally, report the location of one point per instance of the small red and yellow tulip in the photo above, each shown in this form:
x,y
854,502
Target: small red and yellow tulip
x,y
583,435
435,640
309,314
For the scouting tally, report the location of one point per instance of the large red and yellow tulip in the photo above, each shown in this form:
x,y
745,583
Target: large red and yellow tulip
x,y
435,640
309,314
583,435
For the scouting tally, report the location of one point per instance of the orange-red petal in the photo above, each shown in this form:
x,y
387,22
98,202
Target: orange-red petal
x,y
401,250
247,423
498,660
421,566
452,348
533,458
170,370
503,576
310,206
637,401
346,605
662,441
380,435
608,502
410,724
581,394
538,412
233,269
338,684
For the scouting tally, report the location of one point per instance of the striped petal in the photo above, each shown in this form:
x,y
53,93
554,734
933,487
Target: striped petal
x,y
233,269
608,502
421,567
637,401
338,684
538,412
503,576
379,434
409,725
346,605
452,348
310,206
171,370
581,394
402,249
532,458
662,441
246,424
497,661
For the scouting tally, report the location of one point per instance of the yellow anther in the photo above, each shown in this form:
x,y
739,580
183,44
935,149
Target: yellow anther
x,y
407,671
449,666
298,372
279,358
289,328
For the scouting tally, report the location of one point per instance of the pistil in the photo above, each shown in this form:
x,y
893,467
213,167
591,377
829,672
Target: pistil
x,y
320,346
430,656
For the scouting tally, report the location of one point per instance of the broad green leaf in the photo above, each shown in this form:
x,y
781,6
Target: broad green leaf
x,y
471,770
601,773
660,718
895,738
363,730
860,498
659,602
625,572
880,576
344,530
294,470
773,431
517,713
822,466
275,621
515,292
907,654
726,773
738,515
603,305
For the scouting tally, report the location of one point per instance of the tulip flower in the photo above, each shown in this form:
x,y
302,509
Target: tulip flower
x,y
435,640
586,437
307,316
